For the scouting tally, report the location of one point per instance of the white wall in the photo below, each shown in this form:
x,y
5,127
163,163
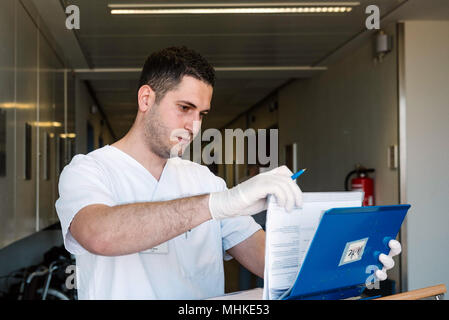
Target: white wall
x,y
427,155
344,116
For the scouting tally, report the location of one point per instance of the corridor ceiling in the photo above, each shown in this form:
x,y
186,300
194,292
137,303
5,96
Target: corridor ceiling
x,y
249,51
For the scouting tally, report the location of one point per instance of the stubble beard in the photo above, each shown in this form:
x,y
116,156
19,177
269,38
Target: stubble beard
x,y
157,137
155,132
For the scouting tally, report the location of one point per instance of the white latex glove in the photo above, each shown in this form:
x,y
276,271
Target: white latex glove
x,y
250,196
387,261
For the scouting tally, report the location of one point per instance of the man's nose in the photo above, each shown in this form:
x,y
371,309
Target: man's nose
x,y
193,126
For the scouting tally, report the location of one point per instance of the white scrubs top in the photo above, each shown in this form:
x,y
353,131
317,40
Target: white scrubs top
x,y
186,267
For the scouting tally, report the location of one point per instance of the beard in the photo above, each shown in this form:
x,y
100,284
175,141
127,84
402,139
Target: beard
x,y
162,140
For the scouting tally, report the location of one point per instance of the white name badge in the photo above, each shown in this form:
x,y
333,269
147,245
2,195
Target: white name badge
x,y
162,249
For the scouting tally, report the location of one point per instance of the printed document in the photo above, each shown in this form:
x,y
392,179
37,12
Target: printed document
x,y
289,234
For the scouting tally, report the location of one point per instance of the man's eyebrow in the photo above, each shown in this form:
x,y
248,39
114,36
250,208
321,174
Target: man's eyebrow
x,y
192,105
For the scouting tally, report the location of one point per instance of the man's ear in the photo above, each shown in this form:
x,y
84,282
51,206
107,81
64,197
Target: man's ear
x,y
146,98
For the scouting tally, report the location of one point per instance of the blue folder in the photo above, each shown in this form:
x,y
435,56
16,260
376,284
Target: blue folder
x,y
345,251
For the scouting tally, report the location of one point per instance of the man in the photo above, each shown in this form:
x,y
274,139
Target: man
x,y
145,225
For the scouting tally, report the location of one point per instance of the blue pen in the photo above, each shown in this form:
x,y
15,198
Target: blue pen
x,y
297,174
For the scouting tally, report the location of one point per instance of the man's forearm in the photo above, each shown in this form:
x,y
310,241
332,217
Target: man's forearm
x,y
130,228
251,253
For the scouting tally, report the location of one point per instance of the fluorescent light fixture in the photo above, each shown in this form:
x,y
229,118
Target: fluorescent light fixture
x,y
67,135
13,105
234,8
46,124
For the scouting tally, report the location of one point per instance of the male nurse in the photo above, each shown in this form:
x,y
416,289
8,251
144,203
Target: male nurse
x,y
144,224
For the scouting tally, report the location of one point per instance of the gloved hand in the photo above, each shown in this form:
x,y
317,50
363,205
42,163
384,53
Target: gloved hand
x,y
387,261
250,196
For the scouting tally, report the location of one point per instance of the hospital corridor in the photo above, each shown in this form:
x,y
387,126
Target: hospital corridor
x,y
224,150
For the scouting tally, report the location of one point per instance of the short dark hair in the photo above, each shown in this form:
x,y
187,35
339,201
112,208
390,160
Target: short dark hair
x,y
163,70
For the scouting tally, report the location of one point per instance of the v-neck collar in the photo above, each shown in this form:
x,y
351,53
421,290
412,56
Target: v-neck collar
x,y
137,163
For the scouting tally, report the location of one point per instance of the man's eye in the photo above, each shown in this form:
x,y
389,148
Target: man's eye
x,y
184,108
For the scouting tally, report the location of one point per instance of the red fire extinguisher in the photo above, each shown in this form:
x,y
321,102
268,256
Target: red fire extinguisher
x,y
363,183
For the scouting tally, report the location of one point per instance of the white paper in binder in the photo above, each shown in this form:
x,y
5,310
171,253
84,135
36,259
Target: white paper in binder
x,y
289,234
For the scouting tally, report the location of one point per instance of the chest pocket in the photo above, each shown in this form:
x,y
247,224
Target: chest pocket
x,y
200,252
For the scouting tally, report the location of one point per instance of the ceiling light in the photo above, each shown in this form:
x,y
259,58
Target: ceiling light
x,y
233,8
46,124
233,11
235,4
13,105
67,135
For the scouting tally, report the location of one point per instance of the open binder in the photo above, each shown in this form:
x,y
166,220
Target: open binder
x,y
343,254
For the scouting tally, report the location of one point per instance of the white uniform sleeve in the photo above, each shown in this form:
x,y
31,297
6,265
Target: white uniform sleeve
x,y
235,230
81,183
